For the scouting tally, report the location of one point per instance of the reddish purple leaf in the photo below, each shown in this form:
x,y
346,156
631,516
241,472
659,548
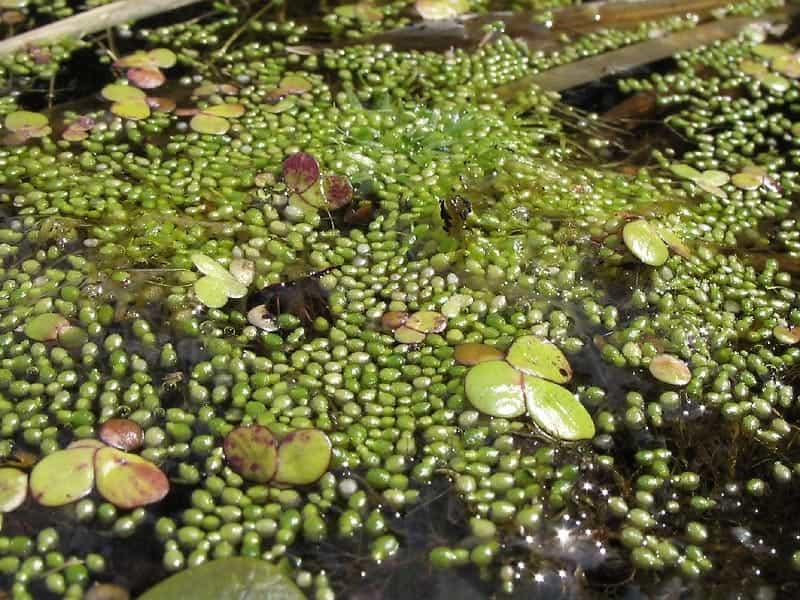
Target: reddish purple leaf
x,y
160,103
300,172
146,78
338,191
122,433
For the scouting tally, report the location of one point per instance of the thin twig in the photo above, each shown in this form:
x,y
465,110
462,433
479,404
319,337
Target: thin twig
x,y
92,21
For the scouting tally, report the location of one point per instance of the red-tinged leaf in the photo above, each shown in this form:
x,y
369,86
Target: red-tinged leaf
x,y
300,172
122,433
128,480
161,104
338,191
146,78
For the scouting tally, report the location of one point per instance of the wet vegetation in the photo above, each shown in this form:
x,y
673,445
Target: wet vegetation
x,y
401,299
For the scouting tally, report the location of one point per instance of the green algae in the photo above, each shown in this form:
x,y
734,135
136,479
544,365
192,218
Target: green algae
x,y
389,328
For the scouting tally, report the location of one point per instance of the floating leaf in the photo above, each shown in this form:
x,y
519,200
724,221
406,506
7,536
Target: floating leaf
x,y
535,356
644,243
406,335
209,124
161,104
427,321
131,109
208,89
208,266
230,111
75,134
670,369
211,291
128,480
309,200
294,84
787,64
122,433
146,78
300,172
163,57
747,181
24,120
13,489
233,578
787,335
117,92
243,270
252,452
338,191
107,591
672,240
394,319
363,11
684,171
776,83
557,411
751,67
770,50
441,9
303,457
496,388
260,317
714,178
45,327
63,476
471,354
282,106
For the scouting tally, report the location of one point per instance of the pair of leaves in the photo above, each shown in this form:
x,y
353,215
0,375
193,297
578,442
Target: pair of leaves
x,y
441,9
291,85
125,480
212,120
24,125
219,283
132,103
308,191
79,129
414,328
651,242
300,458
49,327
526,378
751,177
144,67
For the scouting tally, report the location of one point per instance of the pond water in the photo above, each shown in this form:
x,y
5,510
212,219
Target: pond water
x,y
445,298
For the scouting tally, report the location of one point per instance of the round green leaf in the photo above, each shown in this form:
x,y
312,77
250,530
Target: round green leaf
x,y
209,124
427,321
496,388
644,243
776,83
128,480
441,9
234,578
535,356
684,171
131,109
303,457
163,57
63,476
747,181
13,488
117,92
770,50
671,239
751,67
788,64
281,106
714,178
557,411
23,119
46,327
406,335
670,369
211,291
208,266
139,59
471,354
231,111
295,84
252,452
